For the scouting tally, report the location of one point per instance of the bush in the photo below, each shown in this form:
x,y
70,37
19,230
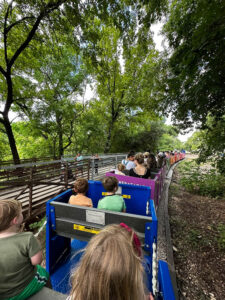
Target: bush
x,y
221,236
201,181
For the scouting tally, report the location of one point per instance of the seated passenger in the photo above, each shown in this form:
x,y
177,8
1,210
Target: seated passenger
x,y
151,162
140,170
146,156
111,201
160,160
114,258
81,188
130,164
120,169
20,256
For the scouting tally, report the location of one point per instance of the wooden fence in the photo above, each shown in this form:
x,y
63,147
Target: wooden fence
x,y
35,183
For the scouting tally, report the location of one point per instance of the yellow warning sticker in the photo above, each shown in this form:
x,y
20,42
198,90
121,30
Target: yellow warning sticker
x,y
86,228
124,196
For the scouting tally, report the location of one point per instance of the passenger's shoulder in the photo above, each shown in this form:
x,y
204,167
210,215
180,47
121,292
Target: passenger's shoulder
x,y
25,235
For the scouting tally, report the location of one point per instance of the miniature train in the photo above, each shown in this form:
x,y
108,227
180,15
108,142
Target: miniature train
x,y
69,228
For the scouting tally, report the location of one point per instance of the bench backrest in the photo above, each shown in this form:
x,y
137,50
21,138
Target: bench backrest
x,y
82,223
155,184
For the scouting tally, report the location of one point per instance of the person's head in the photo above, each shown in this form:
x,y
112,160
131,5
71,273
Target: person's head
x,y
112,257
10,214
152,157
121,167
139,158
130,156
81,186
110,184
146,154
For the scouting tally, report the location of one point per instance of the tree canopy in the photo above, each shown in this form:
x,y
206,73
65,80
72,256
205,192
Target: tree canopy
x,y
28,25
195,82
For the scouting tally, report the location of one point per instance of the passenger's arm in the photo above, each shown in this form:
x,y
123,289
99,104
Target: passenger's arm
x,y
36,259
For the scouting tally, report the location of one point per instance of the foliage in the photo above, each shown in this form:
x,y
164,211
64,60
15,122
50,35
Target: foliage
x,y
210,143
196,62
37,225
221,236
202,180
30,142
193,144
30,27
4,147
56,108
126,73
169,140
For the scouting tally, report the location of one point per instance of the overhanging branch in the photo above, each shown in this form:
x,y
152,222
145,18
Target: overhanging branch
x,y
3,71
47,10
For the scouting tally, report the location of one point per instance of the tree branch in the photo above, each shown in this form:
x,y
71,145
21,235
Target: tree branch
x,y
5,32
70,136
47,10
7,29
2,71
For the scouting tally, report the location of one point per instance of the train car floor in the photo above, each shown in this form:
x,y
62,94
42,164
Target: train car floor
x,y
60,279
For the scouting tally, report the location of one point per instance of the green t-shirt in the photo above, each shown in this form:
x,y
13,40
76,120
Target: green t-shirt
x,y
112,202
16,270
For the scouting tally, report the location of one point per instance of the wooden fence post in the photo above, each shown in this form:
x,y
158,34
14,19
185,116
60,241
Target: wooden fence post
x,y
66,175
30,192
89,164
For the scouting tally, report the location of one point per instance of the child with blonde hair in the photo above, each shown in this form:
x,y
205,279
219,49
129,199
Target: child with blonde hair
x,y
81,188
120,169
20,256
111,267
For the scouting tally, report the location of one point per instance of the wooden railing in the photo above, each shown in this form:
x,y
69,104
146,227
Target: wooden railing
x,y
35,183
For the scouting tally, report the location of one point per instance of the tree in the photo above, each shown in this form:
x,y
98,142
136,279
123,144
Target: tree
x,y
29,23
20,23
210,143
129,90
193,144
55,109
196,62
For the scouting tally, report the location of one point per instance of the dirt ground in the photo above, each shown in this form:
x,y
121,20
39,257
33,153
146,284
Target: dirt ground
x,y
198,257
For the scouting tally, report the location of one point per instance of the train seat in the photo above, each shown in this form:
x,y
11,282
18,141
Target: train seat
x,y
48,294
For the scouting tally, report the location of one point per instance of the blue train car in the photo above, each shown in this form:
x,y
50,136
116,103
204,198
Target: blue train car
x,y
69,228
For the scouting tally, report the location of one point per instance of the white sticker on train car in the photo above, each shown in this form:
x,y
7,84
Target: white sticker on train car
x,y
96,217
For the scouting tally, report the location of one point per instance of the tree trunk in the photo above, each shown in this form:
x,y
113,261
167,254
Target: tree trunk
x,y
108,141
60,135
11,138
6,121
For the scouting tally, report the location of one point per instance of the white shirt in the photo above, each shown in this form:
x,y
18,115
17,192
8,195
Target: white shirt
x,y
130,165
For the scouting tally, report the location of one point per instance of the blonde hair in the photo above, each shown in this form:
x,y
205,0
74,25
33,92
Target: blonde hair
x,y
9,209
139,157
110,269
121,167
